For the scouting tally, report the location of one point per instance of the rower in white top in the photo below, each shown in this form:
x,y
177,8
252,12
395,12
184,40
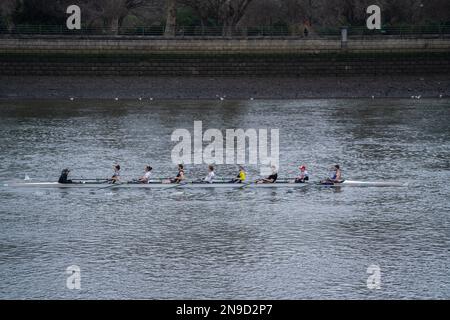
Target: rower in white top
x,y
116,175
303,175
210,177
147,173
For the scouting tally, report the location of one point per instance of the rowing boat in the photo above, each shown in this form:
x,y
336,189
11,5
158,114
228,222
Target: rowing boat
x,y
353,183
156,185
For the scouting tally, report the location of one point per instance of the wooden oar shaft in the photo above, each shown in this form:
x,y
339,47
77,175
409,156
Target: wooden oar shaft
x,y
94,179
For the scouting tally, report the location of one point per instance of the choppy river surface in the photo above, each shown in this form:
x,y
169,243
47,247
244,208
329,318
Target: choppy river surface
x,y
266,243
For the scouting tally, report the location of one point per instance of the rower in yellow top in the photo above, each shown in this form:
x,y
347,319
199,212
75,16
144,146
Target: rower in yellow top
x,y
241,176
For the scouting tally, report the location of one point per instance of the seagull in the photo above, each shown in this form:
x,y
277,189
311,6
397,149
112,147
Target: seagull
x,y
117,99
252,99
373,97
151,99
222,98
71,99
440,96
140,99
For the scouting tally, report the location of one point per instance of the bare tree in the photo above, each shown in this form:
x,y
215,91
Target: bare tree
x,y
263,13
436,10
7,7
231,12
227,13
205,9
111,15
171,20
111,12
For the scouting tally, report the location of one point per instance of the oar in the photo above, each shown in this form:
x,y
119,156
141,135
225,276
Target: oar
x,y
245,185
178,185
89,179
110,186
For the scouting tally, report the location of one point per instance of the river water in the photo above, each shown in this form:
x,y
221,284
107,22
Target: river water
x,y
228,244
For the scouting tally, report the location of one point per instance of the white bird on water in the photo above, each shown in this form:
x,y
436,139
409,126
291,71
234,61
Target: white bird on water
x,y
71,98
140,99
117,99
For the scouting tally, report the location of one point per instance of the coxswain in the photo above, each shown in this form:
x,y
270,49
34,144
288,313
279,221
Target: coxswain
x,y
64,176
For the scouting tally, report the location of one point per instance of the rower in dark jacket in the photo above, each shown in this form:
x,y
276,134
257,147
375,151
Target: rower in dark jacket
x,y
64,176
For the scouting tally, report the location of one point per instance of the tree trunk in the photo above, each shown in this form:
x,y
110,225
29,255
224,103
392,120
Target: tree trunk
x,y
227,30
203,23
228,19
171,22
10,25
113,25
231,14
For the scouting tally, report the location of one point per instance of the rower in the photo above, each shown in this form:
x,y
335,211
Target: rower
x,y
147,173
180,175
64,177
303,176
241,176
210,177
272,178
335,176
116,175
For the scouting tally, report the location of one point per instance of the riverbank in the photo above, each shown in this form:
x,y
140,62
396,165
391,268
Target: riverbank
x,y
173,88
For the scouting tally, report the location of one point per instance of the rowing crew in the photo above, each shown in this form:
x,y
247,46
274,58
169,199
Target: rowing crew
x,y
303,176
